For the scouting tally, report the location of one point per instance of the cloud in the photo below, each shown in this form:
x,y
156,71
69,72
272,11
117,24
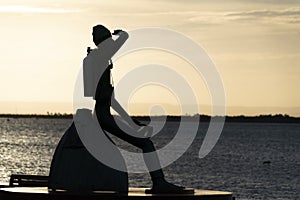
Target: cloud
x,y
284,16
31,9
208,18
290,15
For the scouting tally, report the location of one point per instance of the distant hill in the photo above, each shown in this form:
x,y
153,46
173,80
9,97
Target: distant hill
x,y
279,118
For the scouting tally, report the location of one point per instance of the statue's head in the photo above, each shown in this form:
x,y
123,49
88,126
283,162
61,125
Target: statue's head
x,y
100,33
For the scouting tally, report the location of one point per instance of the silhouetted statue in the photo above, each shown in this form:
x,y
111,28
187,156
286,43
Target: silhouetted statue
x,y
98,85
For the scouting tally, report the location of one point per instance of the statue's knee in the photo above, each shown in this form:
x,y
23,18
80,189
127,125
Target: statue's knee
x,y
148,145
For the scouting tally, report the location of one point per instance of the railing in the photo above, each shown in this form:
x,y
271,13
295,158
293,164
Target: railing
x,y
17,180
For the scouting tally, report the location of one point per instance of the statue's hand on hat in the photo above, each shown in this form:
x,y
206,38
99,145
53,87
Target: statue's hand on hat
x,y
117,32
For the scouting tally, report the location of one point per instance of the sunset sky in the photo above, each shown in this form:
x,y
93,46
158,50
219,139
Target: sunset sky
x,y
254,44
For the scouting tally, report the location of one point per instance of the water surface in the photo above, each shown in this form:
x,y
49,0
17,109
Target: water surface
x,y
253,160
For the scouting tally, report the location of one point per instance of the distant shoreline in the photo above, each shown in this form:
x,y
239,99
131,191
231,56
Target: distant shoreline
x,y
279,118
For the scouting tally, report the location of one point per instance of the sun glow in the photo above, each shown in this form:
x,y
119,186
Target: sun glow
x,y
255,45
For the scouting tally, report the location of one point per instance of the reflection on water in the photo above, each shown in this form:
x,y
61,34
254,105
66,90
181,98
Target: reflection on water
x,y
253,160
27,145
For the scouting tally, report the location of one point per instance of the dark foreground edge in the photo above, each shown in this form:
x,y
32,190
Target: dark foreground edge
x,y
33,187
41,193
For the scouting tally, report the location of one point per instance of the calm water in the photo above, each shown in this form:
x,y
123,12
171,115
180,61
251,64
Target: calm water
x,y
236,163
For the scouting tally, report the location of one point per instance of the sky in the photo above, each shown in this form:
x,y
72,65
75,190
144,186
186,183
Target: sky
x,y
254,44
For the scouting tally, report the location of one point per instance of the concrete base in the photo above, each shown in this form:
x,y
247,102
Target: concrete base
x,y
41,193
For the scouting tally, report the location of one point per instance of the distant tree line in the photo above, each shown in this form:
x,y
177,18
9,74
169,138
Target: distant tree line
x,y
278,118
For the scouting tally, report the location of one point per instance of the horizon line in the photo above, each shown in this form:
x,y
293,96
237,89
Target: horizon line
x,y
139,109
58,114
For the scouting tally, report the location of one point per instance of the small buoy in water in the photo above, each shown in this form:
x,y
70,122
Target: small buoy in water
x,y
267,162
